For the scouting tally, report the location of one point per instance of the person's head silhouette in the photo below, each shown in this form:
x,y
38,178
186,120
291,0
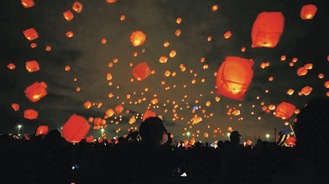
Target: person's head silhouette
x,y
153,132
235,137
311,129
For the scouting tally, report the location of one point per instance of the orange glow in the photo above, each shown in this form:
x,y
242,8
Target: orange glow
x,y
308,11
267,29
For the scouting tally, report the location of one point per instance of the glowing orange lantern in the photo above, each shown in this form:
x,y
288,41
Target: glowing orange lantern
x,y
234,77
68,15
27,3
11,66
109,113
118,109
147,114
75,128
36,91
308,11
15,106
42,130
77,6
291,141
87,104
31,34
267,29
284,110
89,139
141,71
137,38
32,66
31,114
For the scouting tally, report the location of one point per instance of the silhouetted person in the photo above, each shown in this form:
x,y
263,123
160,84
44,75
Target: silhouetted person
x,y
155,162
311,131
311,161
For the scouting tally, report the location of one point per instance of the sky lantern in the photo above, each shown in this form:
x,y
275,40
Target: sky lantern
x,y
32,66
227,34
36,91
148,113
137,38
90,139
15,106
75,128
118,109
234,77
77,6
11,66
87,104
109,113
68,15
31,114
284,110
30,34
302,71
42,130
308,11
141,71
306,90
267,29
27,3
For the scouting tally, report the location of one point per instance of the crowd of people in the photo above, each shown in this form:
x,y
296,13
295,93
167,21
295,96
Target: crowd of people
x,y
150,156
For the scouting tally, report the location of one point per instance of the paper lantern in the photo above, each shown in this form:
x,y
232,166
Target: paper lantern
x,y
15,106
308,11
36,91
284,110
291,141
87,104
68,15
234,77
11,66
27,3
109,113
32,66
75,128
141,71
267,29
118,109
90,139
137,38
77,6
31,114
147,114
42,130
31,34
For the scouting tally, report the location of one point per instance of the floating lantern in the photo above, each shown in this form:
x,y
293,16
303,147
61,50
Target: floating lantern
x,y
32,66
118,109
77,6
68,15
15,106
75,128
137,38
234,77
31,114
27,3
284,110
31,34
267,29
42,130
147,114
90,139
141,71
36,91
308,11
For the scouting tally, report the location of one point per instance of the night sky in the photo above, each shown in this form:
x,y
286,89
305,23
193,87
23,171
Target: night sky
x,y
183,95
